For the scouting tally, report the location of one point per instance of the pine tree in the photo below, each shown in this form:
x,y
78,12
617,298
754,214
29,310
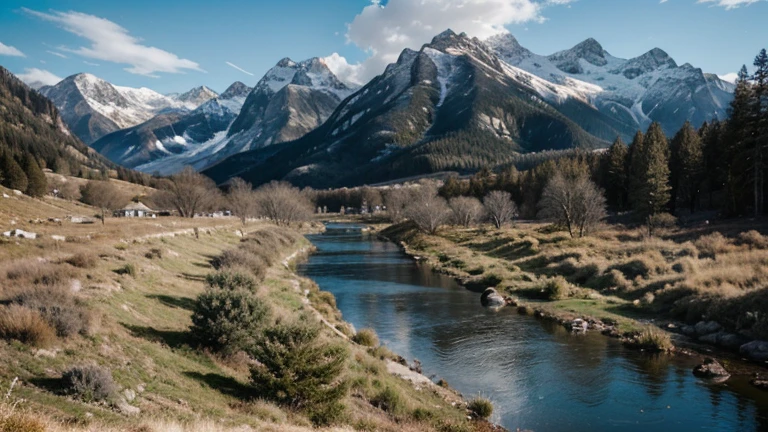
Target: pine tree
x,y
686,167
616,174
635,172
740,148
650,193
13,175
759,128
37,185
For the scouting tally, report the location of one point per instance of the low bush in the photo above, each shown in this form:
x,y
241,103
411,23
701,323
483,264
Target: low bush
x,y
25,325
556,288
298,370
480,407
66,314
34,272
238,258
231,280
753,239
83,260
154,253
714,244
18,422
366,337
653,339
128,269
89,383
229,321
389,400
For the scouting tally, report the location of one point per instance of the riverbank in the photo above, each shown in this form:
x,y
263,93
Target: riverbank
x,y
619,284
127,290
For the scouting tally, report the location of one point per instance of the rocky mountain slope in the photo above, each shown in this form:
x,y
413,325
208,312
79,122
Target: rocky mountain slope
x,y
452,105
651,87
92,107
175,133
292,99
30,123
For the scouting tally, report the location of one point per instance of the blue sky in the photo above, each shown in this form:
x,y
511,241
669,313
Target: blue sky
x,y
173,45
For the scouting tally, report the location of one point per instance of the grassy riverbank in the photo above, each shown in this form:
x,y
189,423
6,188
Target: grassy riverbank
x,y
121,297
618,278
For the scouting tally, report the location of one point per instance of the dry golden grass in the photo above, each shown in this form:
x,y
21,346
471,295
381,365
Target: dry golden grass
x,y
25,325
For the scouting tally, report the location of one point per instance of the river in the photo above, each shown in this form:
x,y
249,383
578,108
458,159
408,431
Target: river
x,y
538,376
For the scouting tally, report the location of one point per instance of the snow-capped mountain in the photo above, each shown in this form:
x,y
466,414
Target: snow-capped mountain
x,y
175,133
92,107
452,105
195,97
651,87
292,99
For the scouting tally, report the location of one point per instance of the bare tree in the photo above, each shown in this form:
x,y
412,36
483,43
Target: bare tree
x,y
427,209
104,195
466,210
577,204
396,200
241,199
282,203
189,193
500,208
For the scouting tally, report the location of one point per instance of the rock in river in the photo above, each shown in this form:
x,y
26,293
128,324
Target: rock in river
x,y
755,350
492,299
711,369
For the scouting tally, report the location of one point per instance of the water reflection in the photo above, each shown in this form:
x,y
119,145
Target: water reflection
x,y
538,375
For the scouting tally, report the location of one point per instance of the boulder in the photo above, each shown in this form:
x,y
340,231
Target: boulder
x,y
492,299
707,327
711,369
20,234
724,339
760,383
755,350
578,325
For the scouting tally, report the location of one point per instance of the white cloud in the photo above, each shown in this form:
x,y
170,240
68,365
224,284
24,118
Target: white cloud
x,y
383,31
10,51
57,54
239,68
41,76
90,63
111,42
729,4
730,77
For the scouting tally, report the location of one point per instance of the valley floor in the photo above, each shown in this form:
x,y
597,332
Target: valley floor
x,y
138,280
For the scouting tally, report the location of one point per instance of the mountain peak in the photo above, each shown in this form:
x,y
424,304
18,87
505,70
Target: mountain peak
x,y
447,34
236,89
198,95
286,62
506,46
569,60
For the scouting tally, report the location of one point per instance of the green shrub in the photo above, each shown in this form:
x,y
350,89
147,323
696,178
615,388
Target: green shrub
x,y
230,280
128,269
229,321
556,288
59,308
298,370
480,407
422,414
25,325
389,400
89,383
366,337
239,258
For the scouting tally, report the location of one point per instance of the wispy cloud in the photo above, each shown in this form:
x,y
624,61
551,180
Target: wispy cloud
x,y
239,68
10,51
90,63
113,43
38,76
57,54
384,31
729,4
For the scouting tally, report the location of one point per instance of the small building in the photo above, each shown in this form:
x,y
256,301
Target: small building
x,y
136,209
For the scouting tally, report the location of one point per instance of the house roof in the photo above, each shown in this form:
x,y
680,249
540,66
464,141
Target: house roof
x,y
137,206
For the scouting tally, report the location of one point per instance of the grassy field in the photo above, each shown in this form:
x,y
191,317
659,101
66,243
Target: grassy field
x,y
618,276
123,295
